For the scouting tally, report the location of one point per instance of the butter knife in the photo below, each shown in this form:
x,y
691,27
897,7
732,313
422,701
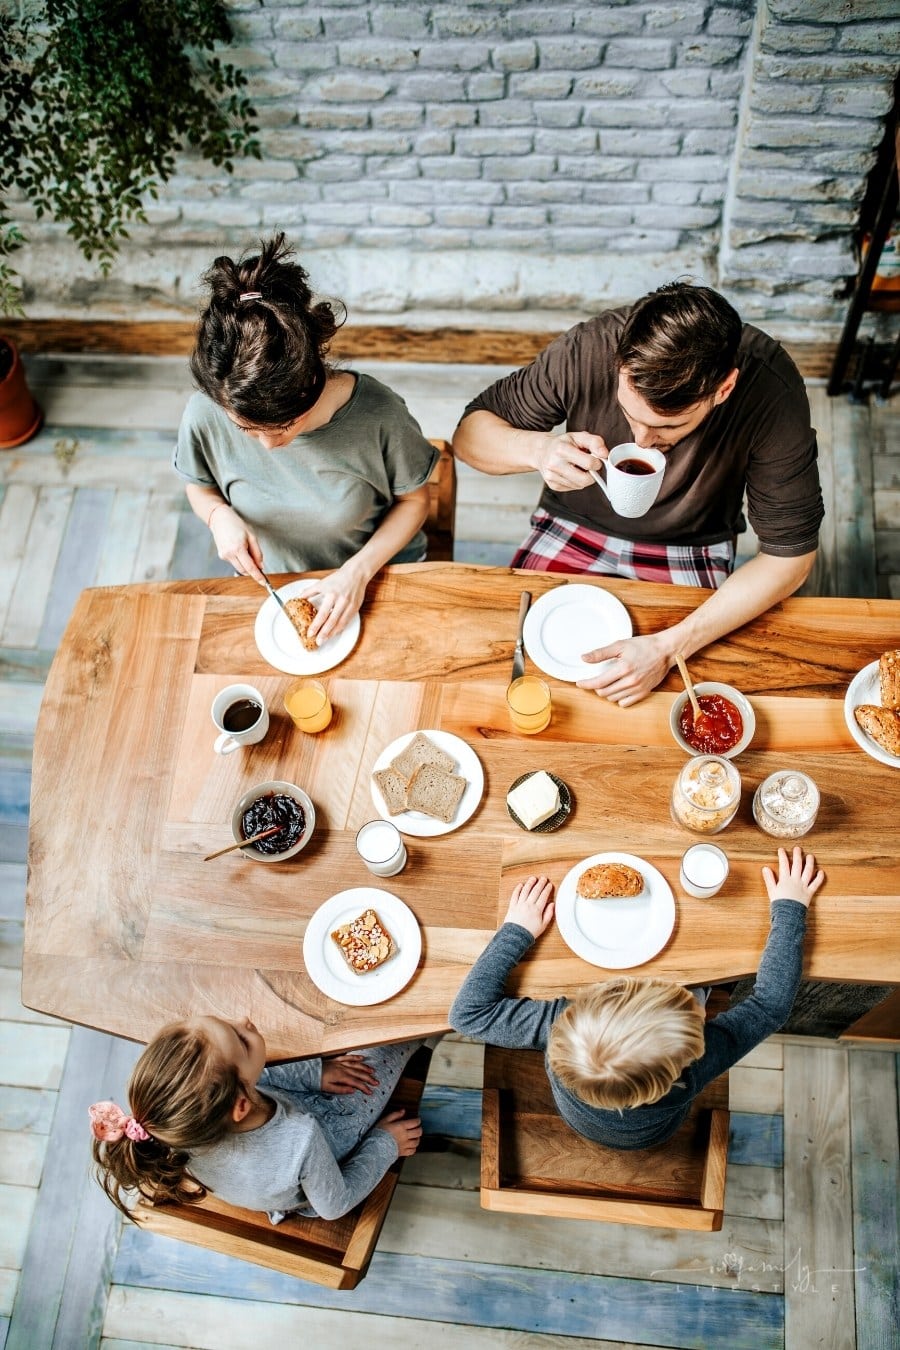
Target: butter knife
x,y
518,665
272,591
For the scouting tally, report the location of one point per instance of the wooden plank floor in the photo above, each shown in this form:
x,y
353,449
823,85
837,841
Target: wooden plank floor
x,y
807,1254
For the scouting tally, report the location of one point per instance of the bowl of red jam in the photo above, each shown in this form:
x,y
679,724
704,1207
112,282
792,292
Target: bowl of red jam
x,y
279,806
727,726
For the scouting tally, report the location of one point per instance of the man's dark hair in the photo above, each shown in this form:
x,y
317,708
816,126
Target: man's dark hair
x,y
678,344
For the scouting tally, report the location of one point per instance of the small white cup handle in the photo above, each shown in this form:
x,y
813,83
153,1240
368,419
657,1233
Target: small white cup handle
x,y
225,744
601,482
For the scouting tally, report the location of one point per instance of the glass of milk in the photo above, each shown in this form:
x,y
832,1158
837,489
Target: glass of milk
x,y
381,847
704,868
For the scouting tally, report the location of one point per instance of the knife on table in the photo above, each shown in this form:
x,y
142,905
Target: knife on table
x,y
518,665
272,591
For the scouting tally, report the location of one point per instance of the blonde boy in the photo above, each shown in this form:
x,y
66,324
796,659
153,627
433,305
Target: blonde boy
x,y
626,1058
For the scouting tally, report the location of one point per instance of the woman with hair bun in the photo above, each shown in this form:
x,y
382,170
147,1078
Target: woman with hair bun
x,y
293,464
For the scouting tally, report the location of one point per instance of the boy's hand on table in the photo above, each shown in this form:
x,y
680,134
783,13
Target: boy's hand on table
x,y
797,877
531,905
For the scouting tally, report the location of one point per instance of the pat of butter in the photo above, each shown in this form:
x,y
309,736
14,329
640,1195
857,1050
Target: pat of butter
x,y
535,800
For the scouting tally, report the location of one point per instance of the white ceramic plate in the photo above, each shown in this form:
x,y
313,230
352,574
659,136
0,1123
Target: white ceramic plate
x,y
279,644
327,968
866,688
617,934
416,822
569,621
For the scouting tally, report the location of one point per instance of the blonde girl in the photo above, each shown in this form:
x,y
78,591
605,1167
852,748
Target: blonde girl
x,y
310,1137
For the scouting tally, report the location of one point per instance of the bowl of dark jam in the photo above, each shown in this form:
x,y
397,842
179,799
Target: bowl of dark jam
x,y
270,805
726,728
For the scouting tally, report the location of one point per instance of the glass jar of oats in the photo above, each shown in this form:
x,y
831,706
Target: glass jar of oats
x,y
706,794
786,804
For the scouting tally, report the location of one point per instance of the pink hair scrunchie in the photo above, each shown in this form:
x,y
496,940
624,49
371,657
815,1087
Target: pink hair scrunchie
x,y
109,1123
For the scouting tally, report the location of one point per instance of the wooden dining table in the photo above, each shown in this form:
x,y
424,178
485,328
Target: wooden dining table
x,y
127,927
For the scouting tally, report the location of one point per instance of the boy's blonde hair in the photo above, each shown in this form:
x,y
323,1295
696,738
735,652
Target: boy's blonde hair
x,y
625,1042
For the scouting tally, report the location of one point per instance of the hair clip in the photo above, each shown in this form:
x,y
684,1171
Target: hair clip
x,y
109,1123
249,295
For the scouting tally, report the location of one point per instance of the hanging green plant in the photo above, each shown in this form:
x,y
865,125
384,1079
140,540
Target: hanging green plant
x,y
96,99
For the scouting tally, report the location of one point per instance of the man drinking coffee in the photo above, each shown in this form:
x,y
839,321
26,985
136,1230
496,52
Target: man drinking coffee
x,y
679,373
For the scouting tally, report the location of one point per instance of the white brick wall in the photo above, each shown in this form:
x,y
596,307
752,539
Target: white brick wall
x,y
514,157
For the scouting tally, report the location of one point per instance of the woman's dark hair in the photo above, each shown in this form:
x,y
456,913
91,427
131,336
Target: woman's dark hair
x,y
678,344
263,357
183,1095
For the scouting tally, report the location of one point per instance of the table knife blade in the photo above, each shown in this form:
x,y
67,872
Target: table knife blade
x,y
274,594
518,664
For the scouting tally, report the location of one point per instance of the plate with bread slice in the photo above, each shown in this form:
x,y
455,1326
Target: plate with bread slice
x,y
282,641
362,946
427,782
615,910
568,621
872,708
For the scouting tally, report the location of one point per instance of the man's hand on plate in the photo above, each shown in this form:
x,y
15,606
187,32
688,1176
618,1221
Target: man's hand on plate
x,y
564,461
637,665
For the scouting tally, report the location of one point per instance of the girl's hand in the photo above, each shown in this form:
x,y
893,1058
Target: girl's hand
x,y
531,905
236,544
797,877
340,596
407,1131
348,1073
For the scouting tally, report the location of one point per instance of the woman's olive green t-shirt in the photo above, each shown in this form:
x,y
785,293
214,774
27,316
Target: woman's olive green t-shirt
x,y
315,502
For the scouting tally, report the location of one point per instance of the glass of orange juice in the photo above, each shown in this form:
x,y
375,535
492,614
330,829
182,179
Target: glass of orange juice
x,y
528,699
308,705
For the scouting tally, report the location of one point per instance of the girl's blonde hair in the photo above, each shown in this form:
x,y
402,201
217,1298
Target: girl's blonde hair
x,y
182,1094
625,1042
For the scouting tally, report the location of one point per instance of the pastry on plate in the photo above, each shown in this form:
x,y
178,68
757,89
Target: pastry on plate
x,y
364,942
608,881
889,678
301,613
882,724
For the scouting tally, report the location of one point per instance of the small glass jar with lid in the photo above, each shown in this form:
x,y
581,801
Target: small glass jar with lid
x,y
786,804
706,794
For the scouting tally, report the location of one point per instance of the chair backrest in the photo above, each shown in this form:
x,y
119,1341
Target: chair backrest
x,y
440,523
332,1252
533,1163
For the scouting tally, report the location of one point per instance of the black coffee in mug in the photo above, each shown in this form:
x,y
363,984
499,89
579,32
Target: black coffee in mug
x,y
241,715
635,466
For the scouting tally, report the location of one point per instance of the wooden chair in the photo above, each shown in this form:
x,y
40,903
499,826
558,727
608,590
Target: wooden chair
x,y
533,1163
332,1252
440,522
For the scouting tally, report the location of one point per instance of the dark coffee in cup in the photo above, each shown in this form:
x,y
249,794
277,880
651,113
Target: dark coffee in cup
x,y
241,715
635,466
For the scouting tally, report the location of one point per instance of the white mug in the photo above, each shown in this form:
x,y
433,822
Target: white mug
x,y
238,720
381,847
633,479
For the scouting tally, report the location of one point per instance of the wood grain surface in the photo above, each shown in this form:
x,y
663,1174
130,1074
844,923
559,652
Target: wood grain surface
x,y
127,927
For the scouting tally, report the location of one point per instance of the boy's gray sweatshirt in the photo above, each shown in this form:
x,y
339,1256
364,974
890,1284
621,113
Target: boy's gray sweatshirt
x,y
481,1010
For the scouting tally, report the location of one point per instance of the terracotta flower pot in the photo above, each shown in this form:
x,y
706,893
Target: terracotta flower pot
x,y
20,416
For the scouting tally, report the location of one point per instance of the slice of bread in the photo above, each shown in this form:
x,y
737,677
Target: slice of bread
x,y
364,942
421,750
435,792
393,789
882,724
889,678
606,881
301,614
